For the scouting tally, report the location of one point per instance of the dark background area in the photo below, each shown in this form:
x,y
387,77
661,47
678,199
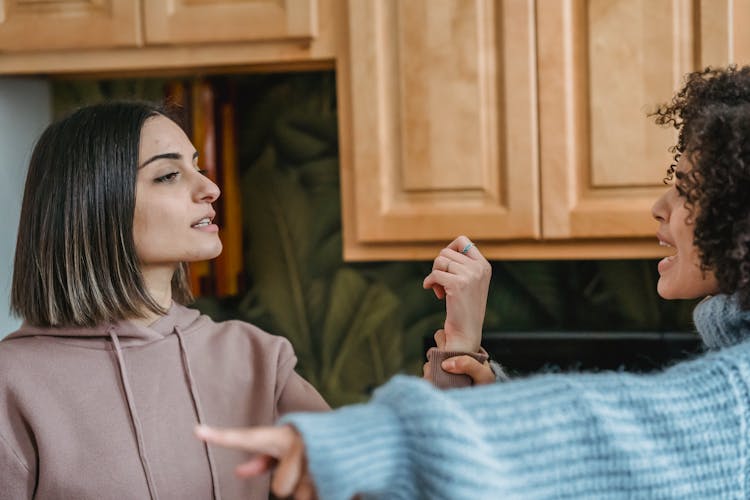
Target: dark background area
x,y
354,325
525,353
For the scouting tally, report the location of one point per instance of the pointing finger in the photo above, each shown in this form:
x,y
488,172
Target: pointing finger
x,y
272,441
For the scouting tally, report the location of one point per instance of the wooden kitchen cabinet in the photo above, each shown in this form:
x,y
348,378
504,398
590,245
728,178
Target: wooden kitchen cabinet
x,y
443,119
190,21
603,66
177,37
563,86
521,123
33,25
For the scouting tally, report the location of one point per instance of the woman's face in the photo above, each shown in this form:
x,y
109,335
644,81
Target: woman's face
x,y
680,275
173,214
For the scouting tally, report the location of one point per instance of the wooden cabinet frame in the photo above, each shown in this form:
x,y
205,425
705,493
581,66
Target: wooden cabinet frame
x,y
28,25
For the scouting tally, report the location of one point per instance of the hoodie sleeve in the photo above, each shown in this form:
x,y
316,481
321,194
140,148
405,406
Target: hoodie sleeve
x,y
294,393
16,479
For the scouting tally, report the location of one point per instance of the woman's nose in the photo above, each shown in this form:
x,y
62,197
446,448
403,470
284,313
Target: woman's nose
x,y
207,190
660,209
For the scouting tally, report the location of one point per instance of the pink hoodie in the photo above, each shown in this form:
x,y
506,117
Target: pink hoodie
x,y
108,412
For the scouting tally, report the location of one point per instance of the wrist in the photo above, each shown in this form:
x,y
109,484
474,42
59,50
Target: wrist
x,y
444,379
461,346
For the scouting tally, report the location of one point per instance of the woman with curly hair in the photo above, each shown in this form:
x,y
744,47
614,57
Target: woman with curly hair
x,y
680,433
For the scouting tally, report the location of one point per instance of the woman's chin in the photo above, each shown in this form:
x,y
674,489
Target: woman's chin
x,y
215,251
204,254
686,283
664,291
668,292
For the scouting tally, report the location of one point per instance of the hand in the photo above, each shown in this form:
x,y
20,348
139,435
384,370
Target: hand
x,y
463,280
480,373
273,445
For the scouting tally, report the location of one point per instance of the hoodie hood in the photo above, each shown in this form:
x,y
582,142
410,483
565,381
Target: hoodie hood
x,y
128,332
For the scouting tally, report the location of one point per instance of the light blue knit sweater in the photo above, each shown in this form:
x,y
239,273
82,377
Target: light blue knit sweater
x,y
682,433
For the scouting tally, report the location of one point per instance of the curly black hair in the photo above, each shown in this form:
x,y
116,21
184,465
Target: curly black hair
x,y
712,114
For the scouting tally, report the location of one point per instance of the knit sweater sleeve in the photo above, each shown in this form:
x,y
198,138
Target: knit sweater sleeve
x,y
677,434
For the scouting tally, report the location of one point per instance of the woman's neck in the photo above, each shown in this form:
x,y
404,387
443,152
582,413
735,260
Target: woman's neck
x,y
158,281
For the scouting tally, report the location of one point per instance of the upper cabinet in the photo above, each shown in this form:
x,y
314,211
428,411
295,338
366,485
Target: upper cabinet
x,y
521,123
38,25
27,25
443,120
195,21
604,66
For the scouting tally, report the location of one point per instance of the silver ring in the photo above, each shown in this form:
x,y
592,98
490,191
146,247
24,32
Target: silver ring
x,y
467,248
448,267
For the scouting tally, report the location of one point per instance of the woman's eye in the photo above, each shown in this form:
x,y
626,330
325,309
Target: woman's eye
x,y
679,178
167,178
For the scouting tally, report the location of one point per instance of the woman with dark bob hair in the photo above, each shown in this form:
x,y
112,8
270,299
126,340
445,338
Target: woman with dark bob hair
x,y
103,383
680,433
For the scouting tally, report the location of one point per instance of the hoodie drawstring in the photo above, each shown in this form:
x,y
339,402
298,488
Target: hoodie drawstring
x,y
198,412
133,415
137,423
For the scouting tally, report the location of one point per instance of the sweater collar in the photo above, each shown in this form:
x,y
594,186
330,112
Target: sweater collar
x,y
721,322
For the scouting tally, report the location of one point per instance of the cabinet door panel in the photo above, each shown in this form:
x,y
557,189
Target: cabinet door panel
x,y
27,25
444,119
724,36
602,158
195,21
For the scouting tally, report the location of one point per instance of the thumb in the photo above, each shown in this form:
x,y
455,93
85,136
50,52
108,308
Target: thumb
x,y
466,365
440,339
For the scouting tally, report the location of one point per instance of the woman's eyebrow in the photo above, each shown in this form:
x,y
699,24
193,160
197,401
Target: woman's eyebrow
x,y
168,156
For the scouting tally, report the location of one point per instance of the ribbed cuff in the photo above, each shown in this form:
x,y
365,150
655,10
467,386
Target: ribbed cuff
x,y
445,380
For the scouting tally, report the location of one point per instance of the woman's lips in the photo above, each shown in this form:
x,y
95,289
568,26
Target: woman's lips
x,y
666,263
206,225
210,228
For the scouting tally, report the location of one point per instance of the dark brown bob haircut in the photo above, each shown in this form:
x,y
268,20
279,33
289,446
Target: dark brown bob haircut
x,y
76,263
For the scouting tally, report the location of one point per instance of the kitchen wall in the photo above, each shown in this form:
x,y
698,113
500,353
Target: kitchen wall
x,y
25,109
